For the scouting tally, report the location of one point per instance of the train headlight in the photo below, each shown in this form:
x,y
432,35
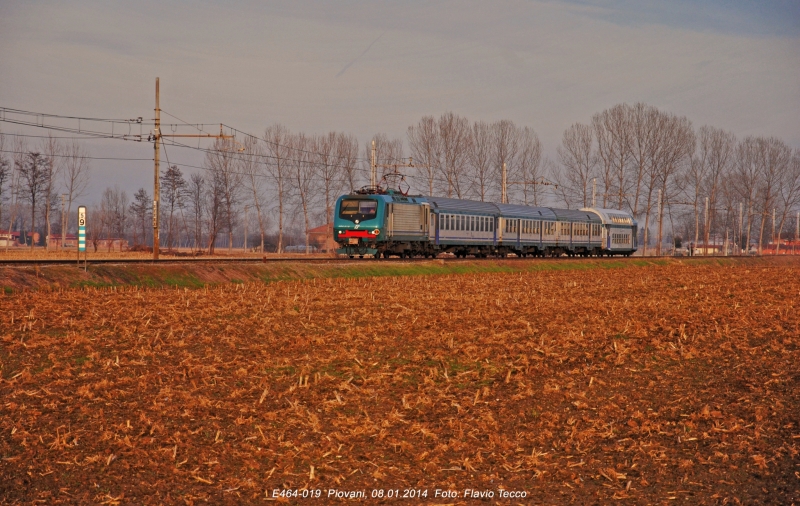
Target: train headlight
x,y
376,232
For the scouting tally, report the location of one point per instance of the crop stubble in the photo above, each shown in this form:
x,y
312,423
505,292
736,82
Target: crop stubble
x,y
647,384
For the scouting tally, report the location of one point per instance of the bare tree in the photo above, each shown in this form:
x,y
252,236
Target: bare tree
x,y
75,174
279,152
650,141
52,151
252,165
424,143
506,150
694,178
19,149
173,191
303,179
646,138
388,154
529,165
746,174
329,169
5,175
789,197
454,134
675,155
141,212
612,130
480,160
774,161
221,161
215,208
578,161
33,174
113,209
95,225
347,156
716,149
196,194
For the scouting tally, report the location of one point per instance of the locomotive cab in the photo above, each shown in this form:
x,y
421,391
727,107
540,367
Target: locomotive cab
x,y
358,224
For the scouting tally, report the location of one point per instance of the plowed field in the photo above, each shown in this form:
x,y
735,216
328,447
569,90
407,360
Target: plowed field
x,y
643,385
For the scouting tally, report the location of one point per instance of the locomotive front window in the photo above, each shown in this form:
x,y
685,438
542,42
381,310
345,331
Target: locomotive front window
x,y
368,207
354,209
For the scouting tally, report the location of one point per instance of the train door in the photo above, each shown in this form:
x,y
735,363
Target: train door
x,y
571,231
541,232
499,229
434,221
427,222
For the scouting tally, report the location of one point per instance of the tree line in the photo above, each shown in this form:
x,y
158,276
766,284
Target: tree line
x,y
677,180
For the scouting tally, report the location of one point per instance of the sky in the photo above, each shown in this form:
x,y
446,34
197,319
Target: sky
x,y
367,67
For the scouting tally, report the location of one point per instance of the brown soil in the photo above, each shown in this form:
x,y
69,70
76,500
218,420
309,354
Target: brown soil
x,y
641,386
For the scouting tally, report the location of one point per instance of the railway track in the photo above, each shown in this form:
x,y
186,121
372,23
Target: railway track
x,y
165,261
14,262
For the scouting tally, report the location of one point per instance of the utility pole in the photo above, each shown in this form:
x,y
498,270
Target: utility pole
x,y
246,208
157,137
741,223
705,228
658,208
726,242
63,222
594,192
156,185
504,191
373,172
776,239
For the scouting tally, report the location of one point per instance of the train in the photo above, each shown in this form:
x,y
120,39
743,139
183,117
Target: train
x,y
376,222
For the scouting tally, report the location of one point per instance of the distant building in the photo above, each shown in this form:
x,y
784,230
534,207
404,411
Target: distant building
x,y
70,241
108,245
9,238
322,238
784,247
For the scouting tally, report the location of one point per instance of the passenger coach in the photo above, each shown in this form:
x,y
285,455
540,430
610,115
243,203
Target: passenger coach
x,y
385,223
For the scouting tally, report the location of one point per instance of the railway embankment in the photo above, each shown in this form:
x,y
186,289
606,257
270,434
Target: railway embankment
x,y
191,275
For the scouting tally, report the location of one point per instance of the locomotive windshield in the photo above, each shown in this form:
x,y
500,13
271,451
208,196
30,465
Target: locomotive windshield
x,y
354,209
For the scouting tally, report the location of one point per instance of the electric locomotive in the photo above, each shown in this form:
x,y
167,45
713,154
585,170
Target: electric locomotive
x,y
378,222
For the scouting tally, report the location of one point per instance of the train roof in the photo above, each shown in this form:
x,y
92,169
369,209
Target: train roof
x,y
576,215
446,205
526,212
612,216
